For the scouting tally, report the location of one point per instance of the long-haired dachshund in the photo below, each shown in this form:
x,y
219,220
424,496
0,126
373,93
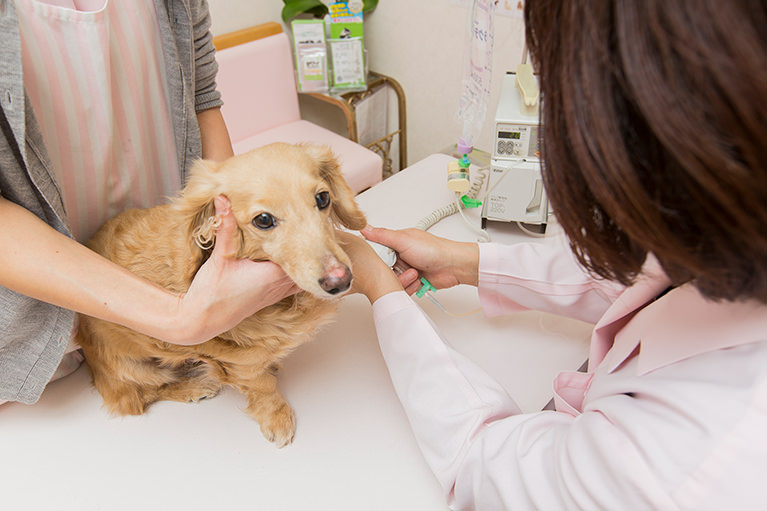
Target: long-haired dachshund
x,y
287,201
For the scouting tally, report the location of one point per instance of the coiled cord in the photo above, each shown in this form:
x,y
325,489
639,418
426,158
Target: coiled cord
x,y
455,207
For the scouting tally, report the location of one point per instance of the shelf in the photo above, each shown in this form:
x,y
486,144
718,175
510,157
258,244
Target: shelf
x,y
348,102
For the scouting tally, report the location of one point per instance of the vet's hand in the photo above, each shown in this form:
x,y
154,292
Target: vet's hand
x,y
372,277
227,290
444,263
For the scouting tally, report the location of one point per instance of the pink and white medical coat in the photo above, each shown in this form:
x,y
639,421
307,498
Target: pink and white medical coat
x,y
672,413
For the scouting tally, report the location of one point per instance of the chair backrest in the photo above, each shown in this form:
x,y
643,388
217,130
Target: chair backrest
x,y
244,35
257,85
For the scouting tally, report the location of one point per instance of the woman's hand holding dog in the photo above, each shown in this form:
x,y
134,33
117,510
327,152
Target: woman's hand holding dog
x,y
45,264
227,290
372,277
443,262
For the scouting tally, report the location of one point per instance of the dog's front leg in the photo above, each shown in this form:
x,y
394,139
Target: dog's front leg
x,y
269,408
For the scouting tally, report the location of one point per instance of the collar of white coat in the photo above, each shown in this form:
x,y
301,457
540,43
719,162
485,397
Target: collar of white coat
x,y
679,325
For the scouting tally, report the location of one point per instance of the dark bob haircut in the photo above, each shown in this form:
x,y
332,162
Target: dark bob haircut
x,y
655,136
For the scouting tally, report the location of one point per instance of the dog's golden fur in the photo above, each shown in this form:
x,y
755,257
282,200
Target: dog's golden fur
x,y
132,370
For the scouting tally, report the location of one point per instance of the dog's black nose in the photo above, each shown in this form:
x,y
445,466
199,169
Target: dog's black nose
x,y
336,281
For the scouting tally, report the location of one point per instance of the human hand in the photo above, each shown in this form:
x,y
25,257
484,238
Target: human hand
x,y
226,290
372,277
444,263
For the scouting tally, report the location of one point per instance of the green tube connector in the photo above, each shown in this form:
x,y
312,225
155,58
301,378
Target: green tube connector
x,y
470,203
425,288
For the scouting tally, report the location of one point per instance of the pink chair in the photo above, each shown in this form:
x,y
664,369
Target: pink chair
x,y
257,85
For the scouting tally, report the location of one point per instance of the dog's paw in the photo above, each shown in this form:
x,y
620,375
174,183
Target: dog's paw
x,y
280,426
126,406
207,389
125,400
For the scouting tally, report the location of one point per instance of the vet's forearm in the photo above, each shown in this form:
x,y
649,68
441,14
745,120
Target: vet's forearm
x,y
216,144
42,263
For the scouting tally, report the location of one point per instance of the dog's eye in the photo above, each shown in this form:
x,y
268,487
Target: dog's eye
x,y
264,221
322,199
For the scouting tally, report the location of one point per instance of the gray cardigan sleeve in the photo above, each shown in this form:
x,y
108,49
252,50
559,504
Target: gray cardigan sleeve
x,y
205,66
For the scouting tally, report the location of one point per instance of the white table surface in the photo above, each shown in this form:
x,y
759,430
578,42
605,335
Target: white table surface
x,y
353,448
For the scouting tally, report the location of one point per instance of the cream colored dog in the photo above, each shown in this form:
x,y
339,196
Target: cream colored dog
x,y
287,201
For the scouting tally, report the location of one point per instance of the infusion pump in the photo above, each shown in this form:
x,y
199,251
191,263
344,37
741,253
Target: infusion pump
x,y
515,185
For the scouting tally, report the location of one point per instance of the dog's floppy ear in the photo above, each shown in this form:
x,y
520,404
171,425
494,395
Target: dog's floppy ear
x,y
196,203
344,209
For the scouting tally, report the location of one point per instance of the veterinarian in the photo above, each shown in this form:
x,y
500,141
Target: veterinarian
x,y
105,105
655,122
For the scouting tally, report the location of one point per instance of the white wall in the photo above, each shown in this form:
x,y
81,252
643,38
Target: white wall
x,y
420,43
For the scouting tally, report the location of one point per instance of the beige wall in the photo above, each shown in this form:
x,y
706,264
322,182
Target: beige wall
x,y
418,42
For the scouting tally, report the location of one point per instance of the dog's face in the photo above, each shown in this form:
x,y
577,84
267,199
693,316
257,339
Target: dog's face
x,y
288,200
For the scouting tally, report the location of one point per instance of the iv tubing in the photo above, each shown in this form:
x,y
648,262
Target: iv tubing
x,y
441,307
483,235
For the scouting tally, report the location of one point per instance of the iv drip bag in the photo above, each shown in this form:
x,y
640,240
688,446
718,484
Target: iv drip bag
x,y
477,74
